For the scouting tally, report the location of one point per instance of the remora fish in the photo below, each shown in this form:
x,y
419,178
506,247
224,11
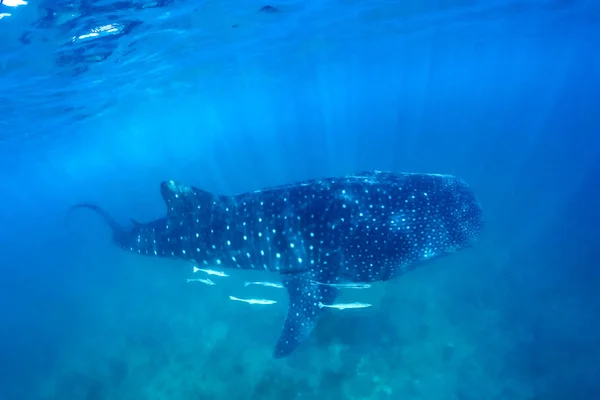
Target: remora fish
x,y
211,272
253,301
361,228
344,306
344,285
205,281
266,284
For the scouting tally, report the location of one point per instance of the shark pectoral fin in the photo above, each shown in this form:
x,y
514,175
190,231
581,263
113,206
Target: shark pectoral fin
x,y
303,309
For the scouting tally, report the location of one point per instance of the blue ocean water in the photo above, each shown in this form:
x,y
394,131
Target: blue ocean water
x,y
101,100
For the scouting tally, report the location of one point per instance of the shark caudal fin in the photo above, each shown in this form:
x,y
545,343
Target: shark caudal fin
x,y
303,309
116,228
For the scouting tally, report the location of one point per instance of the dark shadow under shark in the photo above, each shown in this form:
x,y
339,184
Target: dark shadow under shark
x,y
371,226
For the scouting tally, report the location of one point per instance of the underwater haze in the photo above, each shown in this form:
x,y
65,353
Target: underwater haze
x,y
102,100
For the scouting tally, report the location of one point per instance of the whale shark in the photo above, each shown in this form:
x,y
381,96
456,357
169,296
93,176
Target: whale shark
x,y
364,227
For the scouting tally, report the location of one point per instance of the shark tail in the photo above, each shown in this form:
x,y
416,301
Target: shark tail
x,y
114,225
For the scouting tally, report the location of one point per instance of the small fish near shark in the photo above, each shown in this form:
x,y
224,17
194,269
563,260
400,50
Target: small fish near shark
x,y
344,231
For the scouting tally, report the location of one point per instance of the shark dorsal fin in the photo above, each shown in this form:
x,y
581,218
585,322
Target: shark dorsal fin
x,y
135,223
183,198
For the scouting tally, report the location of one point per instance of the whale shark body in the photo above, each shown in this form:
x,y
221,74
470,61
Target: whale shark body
x,y
365,227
